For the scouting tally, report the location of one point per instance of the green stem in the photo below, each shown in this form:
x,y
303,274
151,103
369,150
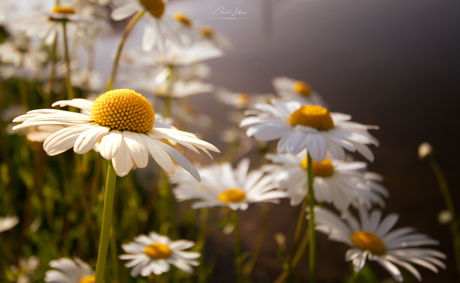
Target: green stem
x,y
202,240
296,259
70,93
128,29
52,73
259,242
236,241
106,222
444,188
311,221
114,255
168,93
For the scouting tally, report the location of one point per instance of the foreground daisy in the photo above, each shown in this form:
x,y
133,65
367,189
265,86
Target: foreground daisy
x,y
154,253
335,181
69,271
222,185
309,126
123,124
290,89
8,222
371,239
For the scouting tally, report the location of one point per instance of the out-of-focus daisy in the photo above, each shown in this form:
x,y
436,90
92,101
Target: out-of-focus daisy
x,y
309,126
69,271
371,239
8,222
154,253
335,181
124,123
25,272
241,100
20,52
222,185
185,28
159,26
290,89
208,34
45,25
176,55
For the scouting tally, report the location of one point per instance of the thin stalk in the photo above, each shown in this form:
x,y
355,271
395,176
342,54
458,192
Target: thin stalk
x,y
52,72
311,221
296,259
128,29
237,249
259,241
168,93
106,222
70,93
114,255
444,188
202,240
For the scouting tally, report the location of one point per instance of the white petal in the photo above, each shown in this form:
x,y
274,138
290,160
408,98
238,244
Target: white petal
x,y
89,138
122,161
110,144
137,148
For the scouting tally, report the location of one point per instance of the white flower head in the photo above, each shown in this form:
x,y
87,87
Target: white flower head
x,y
371,239
222,185
66,270
241,100
160,28
123,125
290,89
425,150
21,53
8,222
338,182
25,271
44,24
154,253
308,126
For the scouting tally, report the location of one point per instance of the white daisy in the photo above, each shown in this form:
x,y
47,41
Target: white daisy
x,y
208,34
159,27
241,100
19,52
45,25
335,181
175,55
308,126
26,270
125,124
290,89
8,222
222,185
371,239
154,253
69,271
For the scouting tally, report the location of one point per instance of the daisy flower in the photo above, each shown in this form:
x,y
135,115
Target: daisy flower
x,y
176,55
21,53
125,127
308,126
26,270
371,239
241,100
222,185
154,253
8,222
46,24
159,26
208,34
337,182
69,271
290,89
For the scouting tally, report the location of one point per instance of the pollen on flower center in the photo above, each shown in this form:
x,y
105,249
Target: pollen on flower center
x,y
63,10
123,110
232,195
157,250
321,169
368,241
301,88
242,98
155,7
87,279
180,17
207,31
312,116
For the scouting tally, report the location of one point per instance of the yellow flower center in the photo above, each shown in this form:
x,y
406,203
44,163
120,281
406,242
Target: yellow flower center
x,y
301,88
207,31
183,19
232,195
157,250
63,10
155,7
321,169
123,110
312,116
242,98
87,279
368,241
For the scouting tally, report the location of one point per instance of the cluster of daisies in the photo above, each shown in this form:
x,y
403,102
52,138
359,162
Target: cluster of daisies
x,y
122,126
